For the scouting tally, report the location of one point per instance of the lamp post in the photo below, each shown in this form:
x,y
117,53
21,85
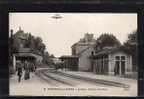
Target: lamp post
x,y
12,57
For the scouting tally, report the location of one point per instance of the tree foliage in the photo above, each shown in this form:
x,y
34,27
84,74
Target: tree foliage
x,y
131,44
47,59
106,40
36,44
29,41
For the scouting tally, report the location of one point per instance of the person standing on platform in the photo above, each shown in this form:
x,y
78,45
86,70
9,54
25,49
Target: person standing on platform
x,y
19,71
27,71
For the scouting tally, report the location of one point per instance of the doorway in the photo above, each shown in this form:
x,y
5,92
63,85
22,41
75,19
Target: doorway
x,y
119,65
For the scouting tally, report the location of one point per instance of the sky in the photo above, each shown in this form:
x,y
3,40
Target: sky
x,y
60,34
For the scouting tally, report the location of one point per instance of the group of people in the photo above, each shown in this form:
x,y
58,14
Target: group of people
x,y
24,68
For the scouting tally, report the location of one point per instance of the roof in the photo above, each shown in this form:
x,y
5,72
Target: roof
x,y
27,51
32,55
24,50
74,45
109,50
82,44
84,50
88,45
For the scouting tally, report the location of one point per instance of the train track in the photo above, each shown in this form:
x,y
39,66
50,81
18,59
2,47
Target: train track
x,y
49,81
58,78
95,81
52,80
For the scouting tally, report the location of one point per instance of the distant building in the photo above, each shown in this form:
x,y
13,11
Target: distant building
x,y
56,60
113,61
70,62
83,50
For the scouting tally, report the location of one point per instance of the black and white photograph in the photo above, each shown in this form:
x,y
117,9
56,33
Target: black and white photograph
x,y
73,54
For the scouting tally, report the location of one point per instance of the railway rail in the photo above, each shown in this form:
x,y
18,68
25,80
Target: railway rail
x,y
56,78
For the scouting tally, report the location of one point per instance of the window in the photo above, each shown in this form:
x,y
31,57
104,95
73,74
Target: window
x,y
117,57
120,62
122,57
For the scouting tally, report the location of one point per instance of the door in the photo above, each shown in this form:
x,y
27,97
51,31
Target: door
x,y
119,65
123,61
116,70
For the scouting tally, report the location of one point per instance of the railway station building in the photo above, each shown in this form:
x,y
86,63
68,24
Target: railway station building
x,y
108,61
112,61
82,49
23,53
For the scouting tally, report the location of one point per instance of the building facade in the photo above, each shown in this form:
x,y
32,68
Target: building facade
x,y
112,61
82,50
108,61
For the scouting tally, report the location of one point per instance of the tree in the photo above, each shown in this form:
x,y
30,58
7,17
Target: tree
x,y
28,43
47,59
106,40
52,56
39,45
16,44
130,46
